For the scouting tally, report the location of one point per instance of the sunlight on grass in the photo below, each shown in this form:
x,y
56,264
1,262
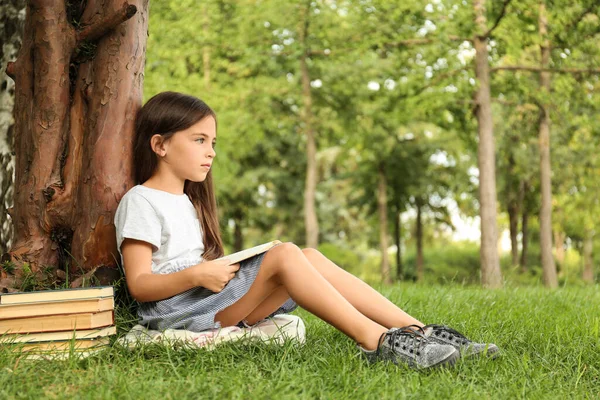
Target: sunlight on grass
x,y
549,342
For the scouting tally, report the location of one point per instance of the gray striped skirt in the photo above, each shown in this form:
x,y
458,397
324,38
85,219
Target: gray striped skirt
x,y
195,309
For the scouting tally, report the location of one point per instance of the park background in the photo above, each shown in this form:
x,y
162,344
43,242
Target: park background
x,y
357,128
381,133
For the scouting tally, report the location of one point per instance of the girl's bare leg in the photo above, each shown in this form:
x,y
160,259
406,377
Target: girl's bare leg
x,y
271,304
286,266
363,297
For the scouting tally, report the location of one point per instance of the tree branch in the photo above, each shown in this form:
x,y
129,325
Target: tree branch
x,y
529,106
539,69
497,22
99,29
325,52
401,43
417,41
437,79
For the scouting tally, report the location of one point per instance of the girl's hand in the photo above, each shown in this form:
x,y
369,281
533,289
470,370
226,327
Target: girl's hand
x,y
214,275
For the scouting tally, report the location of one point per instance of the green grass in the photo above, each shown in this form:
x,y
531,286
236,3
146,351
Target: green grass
x,y
549,339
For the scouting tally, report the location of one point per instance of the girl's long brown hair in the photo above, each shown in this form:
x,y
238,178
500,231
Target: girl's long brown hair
x,y
165,114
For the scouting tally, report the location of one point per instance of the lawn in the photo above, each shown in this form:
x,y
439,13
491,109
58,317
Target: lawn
x,y
549,342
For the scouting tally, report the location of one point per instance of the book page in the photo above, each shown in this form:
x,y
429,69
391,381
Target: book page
x,y
247,253
57,294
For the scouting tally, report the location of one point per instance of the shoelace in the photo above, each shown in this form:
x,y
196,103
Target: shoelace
x,y
407,335
440,330
416,328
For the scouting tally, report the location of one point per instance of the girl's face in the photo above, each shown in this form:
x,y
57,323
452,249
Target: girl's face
x,y
190,153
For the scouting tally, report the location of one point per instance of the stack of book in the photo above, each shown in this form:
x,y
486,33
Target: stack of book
x,y
56,323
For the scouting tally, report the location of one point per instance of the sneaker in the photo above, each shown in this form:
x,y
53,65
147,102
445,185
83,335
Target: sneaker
x,y
409,346
445,335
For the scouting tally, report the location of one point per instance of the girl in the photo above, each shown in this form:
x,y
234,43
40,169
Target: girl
x,y
168,237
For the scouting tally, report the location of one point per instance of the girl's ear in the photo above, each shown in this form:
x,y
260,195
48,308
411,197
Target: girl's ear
x,y
158,145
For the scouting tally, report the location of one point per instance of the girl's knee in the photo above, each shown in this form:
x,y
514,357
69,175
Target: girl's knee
x,y
310,253
284,252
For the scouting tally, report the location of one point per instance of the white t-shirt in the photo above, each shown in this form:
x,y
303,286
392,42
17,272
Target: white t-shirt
x,y
167,221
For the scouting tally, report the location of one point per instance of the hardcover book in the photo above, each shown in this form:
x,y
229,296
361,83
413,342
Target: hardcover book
x,y
55,295
51,323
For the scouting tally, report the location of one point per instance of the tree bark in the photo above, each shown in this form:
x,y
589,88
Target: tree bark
x,y
310,214
513,201
548,266
491,275
12,16
419,237
524,239
74,128
521,209
398,235
559,245
588,260
513,217
382,208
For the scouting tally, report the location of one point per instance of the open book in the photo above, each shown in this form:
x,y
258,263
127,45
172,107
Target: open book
x,y
252,251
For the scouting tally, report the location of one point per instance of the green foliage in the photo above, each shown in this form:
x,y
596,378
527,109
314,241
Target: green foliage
x,y
43,279
391,87
344,258
458,263
8,267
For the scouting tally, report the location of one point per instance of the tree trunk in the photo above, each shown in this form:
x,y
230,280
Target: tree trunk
x,y
238,237
588,261
548,266
559,245
513,217
491,275
513,202
383,243
524,239
398,235
78,79
310,214
521,209
419,237
11,31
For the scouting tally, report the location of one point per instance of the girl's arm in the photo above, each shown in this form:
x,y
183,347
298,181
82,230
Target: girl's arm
x,y
146,286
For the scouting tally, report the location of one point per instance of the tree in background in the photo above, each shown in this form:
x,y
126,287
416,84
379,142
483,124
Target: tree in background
x,y
582,24
391,95
470,26
78,84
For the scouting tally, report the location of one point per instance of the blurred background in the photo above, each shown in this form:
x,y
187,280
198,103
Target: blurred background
x,y
355,127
